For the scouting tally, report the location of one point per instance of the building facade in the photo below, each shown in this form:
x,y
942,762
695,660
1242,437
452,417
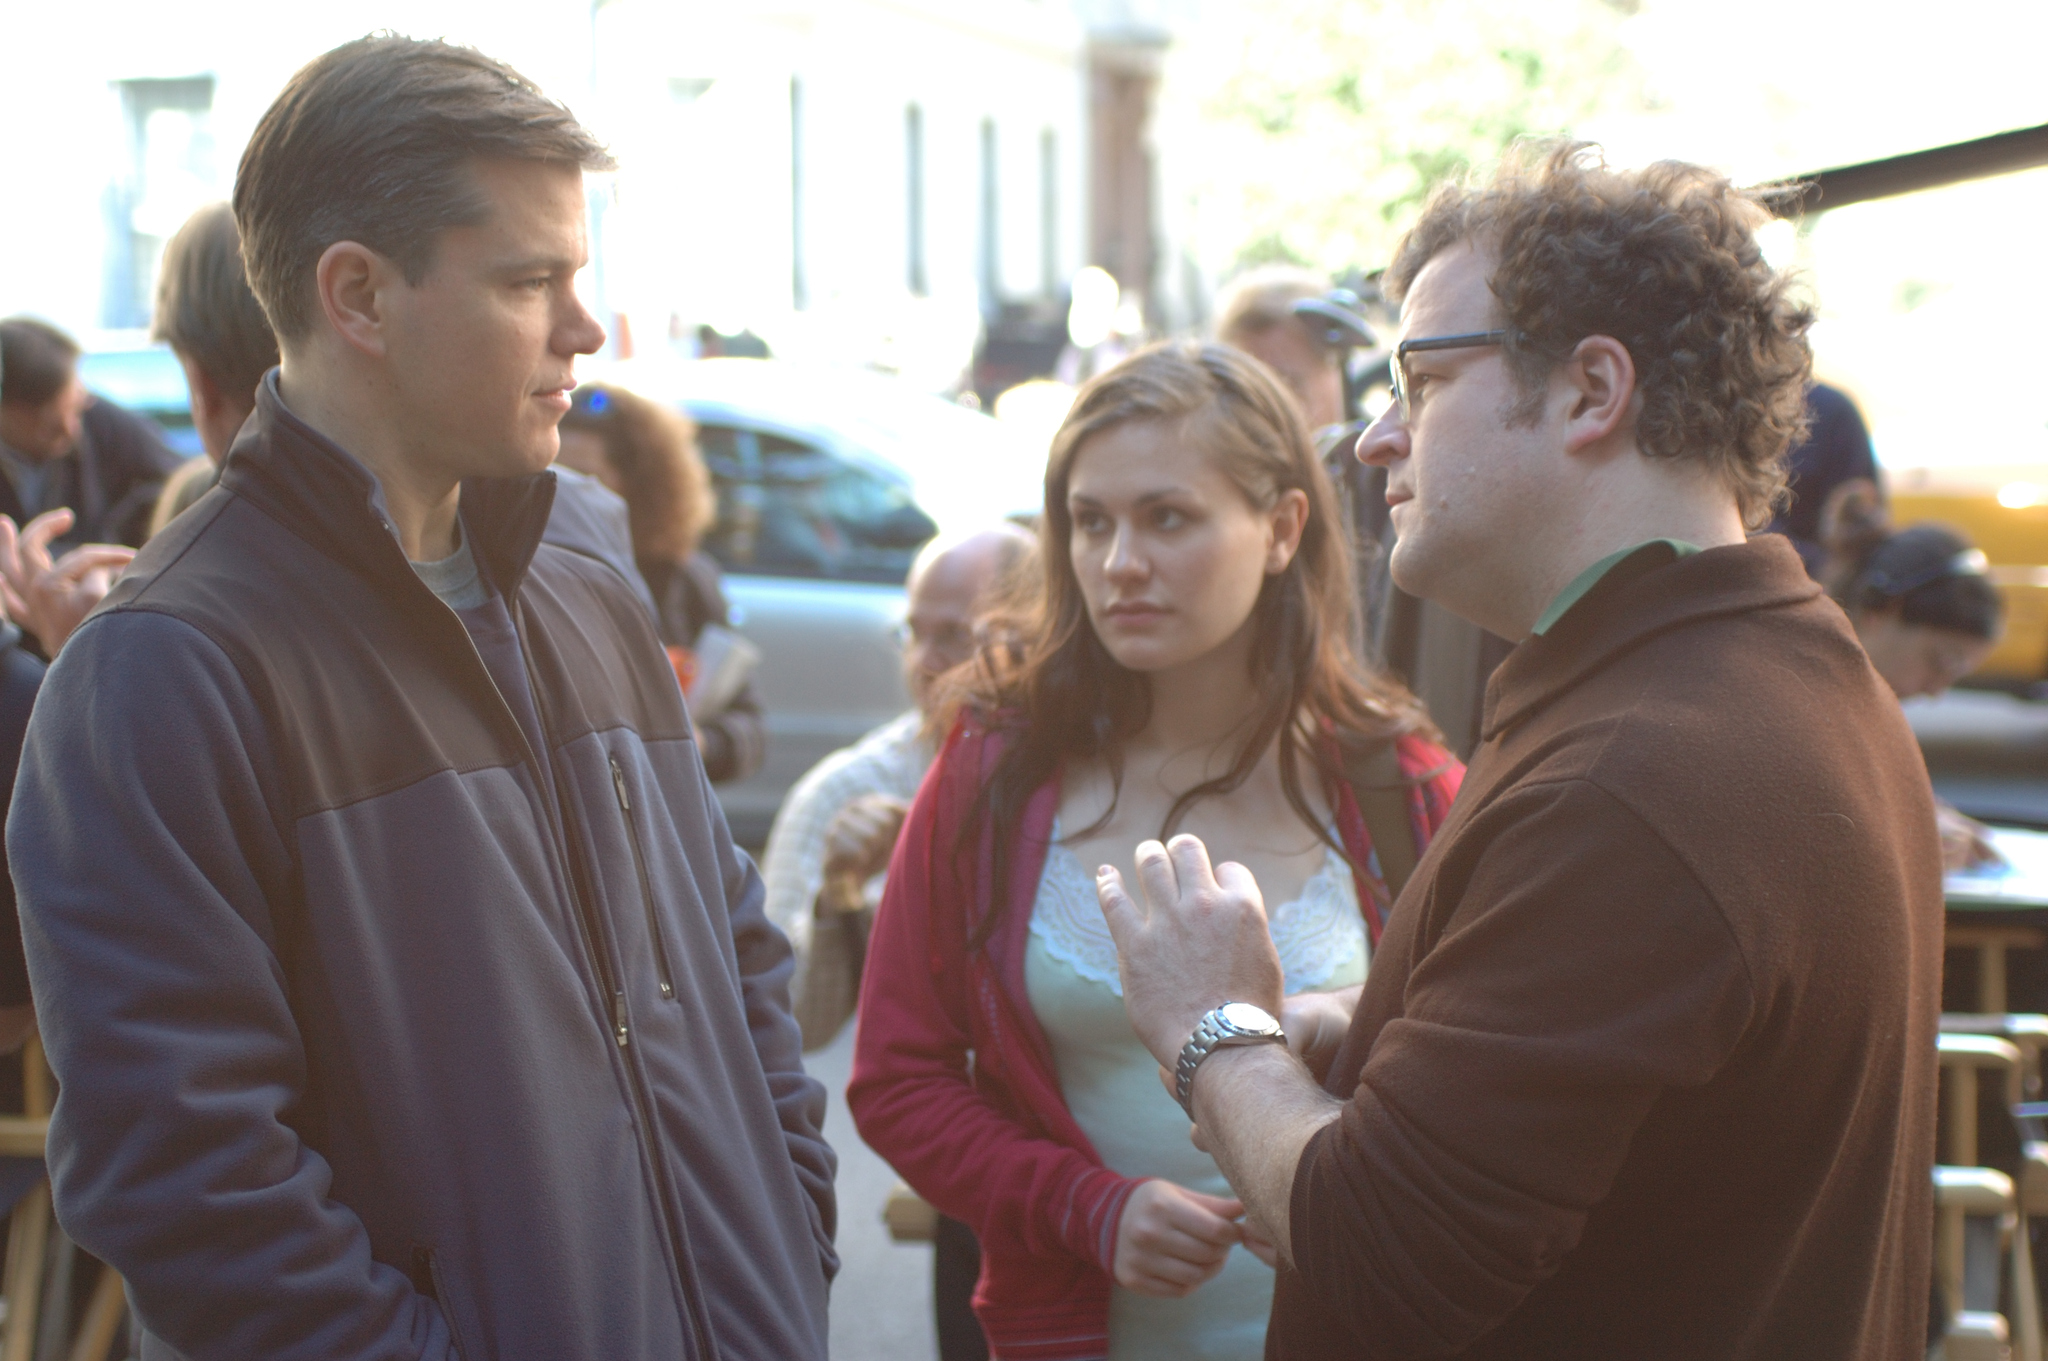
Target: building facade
x,y
864,180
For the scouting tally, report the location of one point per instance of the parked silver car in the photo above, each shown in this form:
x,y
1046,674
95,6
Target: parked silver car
x,y
829,480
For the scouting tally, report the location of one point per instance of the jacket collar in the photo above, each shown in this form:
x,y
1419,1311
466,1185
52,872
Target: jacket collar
x,y
1628,608
326,496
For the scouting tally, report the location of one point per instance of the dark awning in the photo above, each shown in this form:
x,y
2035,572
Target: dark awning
x,y
2000,154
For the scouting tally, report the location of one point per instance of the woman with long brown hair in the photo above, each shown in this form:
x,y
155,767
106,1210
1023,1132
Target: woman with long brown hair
x,y
1187,667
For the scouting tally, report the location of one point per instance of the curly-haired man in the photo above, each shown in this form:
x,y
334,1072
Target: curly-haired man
x,y
1645,1062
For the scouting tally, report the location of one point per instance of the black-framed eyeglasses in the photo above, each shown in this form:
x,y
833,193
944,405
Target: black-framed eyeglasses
x,y
1397,372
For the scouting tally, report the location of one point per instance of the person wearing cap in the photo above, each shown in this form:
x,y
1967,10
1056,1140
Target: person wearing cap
x,y
1923,606
1257,316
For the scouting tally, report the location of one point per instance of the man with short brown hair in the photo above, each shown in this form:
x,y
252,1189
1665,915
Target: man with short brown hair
x,y
1644,1066
209,316
408,994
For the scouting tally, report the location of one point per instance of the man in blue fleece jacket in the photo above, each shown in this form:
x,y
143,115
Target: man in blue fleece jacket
x,y
407,994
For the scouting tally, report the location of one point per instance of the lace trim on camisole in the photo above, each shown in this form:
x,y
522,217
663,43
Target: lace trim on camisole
x,y
1317,933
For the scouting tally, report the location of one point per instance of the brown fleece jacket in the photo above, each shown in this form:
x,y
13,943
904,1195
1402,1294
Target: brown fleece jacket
x,y
1645,1064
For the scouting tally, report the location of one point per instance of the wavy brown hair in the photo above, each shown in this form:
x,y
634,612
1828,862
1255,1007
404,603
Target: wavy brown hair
x,y
1664,260
653,449
1055,689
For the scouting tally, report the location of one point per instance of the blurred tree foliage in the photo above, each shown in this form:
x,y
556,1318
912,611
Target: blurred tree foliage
x,y
1321,125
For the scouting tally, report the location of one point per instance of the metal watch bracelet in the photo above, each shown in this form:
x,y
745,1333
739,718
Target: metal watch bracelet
x,y
1233,1023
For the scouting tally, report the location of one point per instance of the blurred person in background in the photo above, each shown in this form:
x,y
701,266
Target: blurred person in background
x,y
51,597
1835,452
1187,665
63,448
47,599
839,824
646,453
1256,314
1923,606
386,936
207,314
42,599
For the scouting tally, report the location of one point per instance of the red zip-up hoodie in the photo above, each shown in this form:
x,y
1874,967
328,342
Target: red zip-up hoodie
x,y
953,1079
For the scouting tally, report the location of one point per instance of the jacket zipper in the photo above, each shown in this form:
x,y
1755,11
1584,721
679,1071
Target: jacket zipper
x,y
661,969
595,939
592,932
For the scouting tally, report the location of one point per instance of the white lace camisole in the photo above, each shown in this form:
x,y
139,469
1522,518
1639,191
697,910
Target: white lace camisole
x,y
1111,1084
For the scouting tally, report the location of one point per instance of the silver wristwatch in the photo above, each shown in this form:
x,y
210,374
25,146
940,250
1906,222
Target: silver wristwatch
x,y
1232,1023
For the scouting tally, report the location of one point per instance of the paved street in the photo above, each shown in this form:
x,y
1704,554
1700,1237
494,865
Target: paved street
x,y
882,1301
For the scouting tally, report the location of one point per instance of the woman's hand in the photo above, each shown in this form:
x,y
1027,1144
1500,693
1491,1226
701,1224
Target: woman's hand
x,y
1316,1023
1170,1239
1259,1245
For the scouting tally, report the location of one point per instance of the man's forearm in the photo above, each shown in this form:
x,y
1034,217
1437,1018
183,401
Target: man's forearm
x,y
1257,1107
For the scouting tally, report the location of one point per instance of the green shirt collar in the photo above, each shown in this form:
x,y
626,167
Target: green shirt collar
x,y
1588,579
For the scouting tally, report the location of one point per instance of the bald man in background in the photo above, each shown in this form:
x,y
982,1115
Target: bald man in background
x,y
839,823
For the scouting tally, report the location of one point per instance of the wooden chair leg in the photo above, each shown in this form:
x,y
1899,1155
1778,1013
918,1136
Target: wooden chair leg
x,y
102,1318
1991,976
2026,1299
1948,1257
28,1237
53,1324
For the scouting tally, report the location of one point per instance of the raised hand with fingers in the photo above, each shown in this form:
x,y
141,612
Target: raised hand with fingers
x,y
1172,1240
1200,939
50,599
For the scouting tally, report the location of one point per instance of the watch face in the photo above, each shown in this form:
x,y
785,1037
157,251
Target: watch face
x,y
1246,1017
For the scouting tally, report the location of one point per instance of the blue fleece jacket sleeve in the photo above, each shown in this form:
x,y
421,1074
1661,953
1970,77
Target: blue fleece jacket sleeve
x,y
150,843
766,965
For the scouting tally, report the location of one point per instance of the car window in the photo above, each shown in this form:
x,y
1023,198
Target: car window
x,y
793,510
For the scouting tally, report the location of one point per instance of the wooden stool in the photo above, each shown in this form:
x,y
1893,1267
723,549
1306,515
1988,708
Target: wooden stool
x,y
1963,1057
2026,1032
1991,943
28,1235
1974,1209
